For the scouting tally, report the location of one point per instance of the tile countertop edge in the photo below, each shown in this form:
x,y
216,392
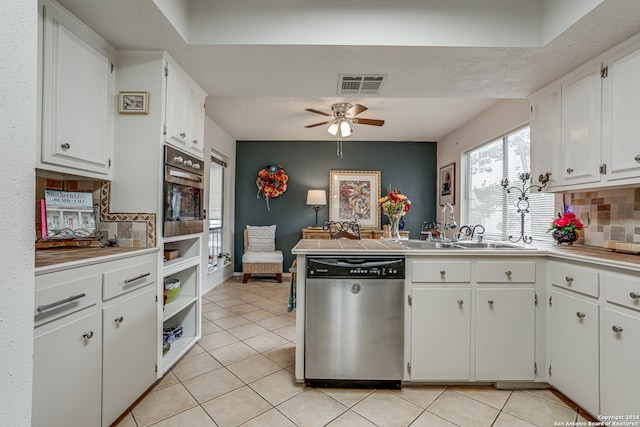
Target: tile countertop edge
x,y
111,254
592,255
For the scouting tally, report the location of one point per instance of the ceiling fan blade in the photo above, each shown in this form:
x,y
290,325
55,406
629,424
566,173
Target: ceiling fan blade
x,y
317,124
355,110
311,110
373,122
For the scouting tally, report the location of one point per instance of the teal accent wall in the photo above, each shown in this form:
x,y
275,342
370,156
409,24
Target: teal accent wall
x,y
407,166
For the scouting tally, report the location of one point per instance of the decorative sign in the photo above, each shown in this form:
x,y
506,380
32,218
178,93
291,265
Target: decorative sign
x,y
69,210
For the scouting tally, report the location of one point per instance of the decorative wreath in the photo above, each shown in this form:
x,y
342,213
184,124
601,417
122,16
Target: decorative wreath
x,y
271,183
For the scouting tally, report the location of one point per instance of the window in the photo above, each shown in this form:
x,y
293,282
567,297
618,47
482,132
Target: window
x,y
216,192
490,205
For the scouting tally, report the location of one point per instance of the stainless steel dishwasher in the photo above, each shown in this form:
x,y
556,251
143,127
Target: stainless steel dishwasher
x,y
354,321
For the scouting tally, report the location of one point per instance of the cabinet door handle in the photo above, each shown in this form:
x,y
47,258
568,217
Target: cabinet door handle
x,y
490,302
183,134
508,273
616,329
637,158
65,146
87,335
569,279
460,302
634,295
42,308
580,315
569,170
442,272
195,142
119,319
142,276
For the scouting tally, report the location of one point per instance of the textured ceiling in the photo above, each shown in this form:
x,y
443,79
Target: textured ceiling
x,y
259,92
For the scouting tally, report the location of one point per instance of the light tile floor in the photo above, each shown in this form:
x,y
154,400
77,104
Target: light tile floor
x,y
242,373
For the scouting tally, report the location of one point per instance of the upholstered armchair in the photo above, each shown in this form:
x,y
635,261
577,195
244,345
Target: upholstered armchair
x,y
260,254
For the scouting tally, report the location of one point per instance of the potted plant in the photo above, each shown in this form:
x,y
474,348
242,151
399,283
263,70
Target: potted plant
x,y
226,256
565,227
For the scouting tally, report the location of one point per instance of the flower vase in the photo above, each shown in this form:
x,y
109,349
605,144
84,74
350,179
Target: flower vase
x,y
394,221
561,237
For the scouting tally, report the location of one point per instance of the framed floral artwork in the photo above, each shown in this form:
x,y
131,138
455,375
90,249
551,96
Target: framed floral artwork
x,y
447,185
354,195
133,102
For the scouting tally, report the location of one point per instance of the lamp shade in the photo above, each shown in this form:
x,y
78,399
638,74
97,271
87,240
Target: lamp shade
x,y
316,197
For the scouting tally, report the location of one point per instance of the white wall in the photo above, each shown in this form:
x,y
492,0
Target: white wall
x,y
218,140
18,31
504,116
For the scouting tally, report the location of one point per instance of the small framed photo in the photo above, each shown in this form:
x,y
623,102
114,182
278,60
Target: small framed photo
x,y
133,102
447,185
354,195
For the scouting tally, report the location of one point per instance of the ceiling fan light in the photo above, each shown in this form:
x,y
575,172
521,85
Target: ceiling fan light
x,y
333,129
345,128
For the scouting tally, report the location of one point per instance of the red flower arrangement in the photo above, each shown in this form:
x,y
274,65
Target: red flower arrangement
x,y
271,182
394,203
566,223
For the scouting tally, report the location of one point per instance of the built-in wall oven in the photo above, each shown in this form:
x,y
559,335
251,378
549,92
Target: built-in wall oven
x,y
183,193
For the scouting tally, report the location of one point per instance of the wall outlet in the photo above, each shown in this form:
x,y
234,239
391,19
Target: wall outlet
x,y
584,218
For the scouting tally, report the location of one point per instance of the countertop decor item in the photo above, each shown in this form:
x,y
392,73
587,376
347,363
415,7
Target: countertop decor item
x,y
565,227
394,205
271,183
523,200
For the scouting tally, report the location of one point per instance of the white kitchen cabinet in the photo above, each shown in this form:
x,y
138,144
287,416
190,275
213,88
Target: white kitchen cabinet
x,y
546,135
129,355
440,334
621,133
505,334
67,371
93,356
184,111
620,344
581,130
573,348
77,96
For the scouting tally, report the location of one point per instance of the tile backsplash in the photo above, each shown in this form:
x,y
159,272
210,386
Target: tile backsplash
x,y
607,215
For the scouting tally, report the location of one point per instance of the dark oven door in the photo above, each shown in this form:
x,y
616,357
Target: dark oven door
x,y
183,196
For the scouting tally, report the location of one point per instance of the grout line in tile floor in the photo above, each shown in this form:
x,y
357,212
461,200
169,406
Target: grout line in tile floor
x,y
241,372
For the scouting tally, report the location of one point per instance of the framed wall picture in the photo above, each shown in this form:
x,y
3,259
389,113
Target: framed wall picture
x,y
133,102
354,195
447,184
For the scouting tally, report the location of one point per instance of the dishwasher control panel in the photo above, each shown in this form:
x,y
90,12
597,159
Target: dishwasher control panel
x,y
353,266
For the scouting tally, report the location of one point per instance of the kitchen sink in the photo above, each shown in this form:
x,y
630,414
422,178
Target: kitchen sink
x,y
464,244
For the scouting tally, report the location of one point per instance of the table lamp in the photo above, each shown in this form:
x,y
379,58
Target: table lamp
x,y
315,199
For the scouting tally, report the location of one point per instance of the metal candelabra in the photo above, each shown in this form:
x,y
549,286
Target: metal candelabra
x,y
523,200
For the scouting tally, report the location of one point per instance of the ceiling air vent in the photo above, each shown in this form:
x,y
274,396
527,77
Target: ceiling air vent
x,y
360,85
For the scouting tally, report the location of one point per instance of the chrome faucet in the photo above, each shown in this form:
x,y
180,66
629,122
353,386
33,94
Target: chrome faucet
x,y
451,225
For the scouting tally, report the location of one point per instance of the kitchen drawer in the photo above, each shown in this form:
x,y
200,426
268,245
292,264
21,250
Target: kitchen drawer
x,y
125,276
622,289
60,294
506,272
576,278
441,271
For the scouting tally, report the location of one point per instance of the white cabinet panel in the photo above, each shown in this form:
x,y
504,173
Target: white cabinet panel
x,y
440,334
546,156
505,334
573,349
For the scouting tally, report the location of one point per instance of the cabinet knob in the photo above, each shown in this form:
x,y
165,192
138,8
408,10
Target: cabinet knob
x,y
569,170
195,142
569,279
183,135
87,335
616,329
460,302
580,315
634,295
65,146
442,272
637,158
508,273
490,302
119,319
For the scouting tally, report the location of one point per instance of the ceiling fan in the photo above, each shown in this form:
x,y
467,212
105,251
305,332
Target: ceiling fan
x,y
344,115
